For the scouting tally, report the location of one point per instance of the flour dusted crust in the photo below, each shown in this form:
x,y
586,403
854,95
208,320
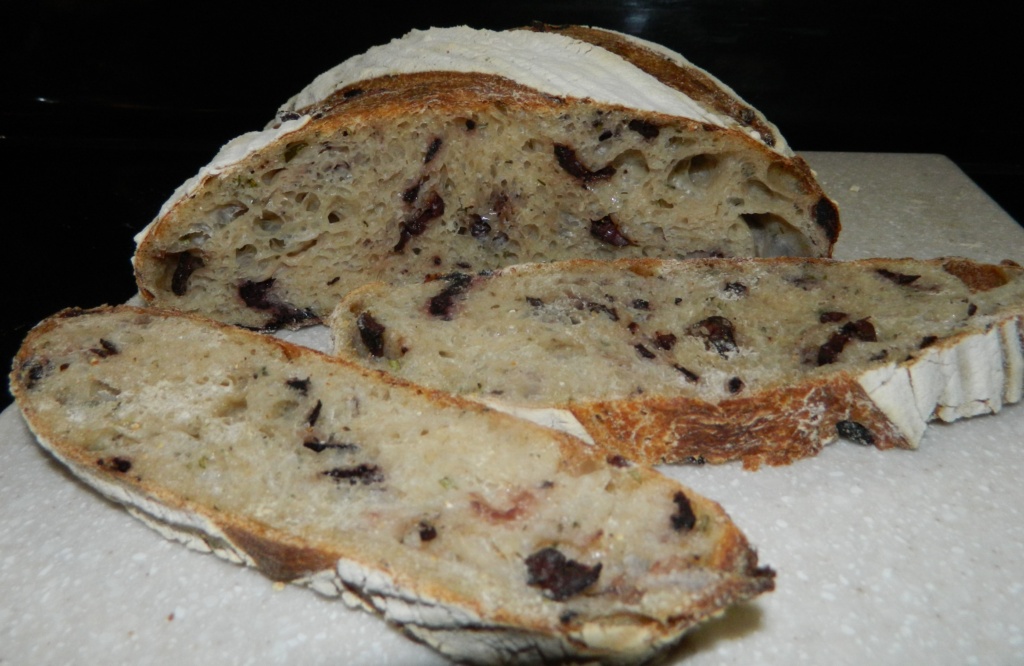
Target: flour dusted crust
x,y
454,149
557,60
765,361
535,547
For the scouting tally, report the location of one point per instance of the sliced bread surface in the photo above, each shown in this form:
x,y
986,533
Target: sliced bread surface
x,y
531,146
489,538
709,360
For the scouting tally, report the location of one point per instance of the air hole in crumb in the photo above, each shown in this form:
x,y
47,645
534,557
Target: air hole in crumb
x,y
245,254
782,179
228,212
631,162
774,237
268,177
269,221
694,173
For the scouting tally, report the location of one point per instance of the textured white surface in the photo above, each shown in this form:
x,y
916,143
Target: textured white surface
x,y
890,557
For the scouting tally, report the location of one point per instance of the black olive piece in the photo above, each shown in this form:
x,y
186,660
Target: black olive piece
x,y
855,432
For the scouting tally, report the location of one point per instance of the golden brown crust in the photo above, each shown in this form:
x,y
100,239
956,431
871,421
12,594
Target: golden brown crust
x,y
277,556
977,277
393,95
774,427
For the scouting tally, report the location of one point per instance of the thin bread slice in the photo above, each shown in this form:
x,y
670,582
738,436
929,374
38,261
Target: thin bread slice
x,y
492,539
709,360
460,149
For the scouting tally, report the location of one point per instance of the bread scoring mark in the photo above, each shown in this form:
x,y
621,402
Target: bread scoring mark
x,y
572,165
681,76
557,576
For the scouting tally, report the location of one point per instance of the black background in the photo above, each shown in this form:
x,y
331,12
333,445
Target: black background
x,y
108,105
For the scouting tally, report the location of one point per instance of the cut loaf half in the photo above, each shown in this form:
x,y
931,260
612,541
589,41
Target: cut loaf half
x,y
492,539
713,359
459,149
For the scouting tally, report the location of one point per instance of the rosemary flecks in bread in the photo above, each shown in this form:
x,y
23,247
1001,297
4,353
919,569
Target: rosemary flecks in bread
x,y
716,359
404,173
492,539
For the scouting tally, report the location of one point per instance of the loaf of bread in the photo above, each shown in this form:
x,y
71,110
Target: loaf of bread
x,y
764,360
465,150
490,538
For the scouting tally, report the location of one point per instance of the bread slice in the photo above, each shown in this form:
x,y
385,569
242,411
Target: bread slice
x,y
487,537
709,360
460,149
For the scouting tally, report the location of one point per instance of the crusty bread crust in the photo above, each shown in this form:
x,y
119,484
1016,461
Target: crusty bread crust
x,y
399,176
684,77
576,325
198,429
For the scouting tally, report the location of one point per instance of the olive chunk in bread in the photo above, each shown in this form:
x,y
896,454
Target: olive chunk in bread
x,y
466,150
764,360
490,538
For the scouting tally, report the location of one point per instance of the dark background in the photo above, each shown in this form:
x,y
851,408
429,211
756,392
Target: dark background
x,y
108,105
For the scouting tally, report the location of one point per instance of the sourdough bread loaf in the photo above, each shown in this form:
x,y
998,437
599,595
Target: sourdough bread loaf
x,y
764,360
459,149
487,537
